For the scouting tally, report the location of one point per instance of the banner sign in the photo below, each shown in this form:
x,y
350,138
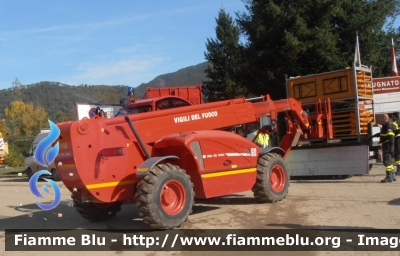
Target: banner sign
x,y
84,109
386,94
383,85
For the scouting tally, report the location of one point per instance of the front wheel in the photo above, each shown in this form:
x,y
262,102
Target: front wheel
x,y
165,197
29,173
272,183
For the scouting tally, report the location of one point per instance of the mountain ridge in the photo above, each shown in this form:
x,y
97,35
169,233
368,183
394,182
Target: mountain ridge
x,y
45,93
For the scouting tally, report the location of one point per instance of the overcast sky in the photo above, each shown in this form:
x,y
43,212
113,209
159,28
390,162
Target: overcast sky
x,y
120,42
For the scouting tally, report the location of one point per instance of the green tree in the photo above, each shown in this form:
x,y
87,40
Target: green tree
x,y
63,116
26,118
17,94
300,37
4,131
107,95
223,55
16,158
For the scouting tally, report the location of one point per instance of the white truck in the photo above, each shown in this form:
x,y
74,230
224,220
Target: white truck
x,y
31,166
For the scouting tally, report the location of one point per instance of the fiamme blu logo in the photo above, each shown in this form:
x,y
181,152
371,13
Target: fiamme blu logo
x,y
45,156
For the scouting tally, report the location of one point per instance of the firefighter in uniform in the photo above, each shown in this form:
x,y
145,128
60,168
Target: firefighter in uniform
x,y
386,137
396,124
262,139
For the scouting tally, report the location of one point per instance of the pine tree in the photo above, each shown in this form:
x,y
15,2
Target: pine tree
x,y
297,37
223,55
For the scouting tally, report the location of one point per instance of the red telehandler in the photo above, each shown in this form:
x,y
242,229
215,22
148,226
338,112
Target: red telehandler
x,y
163,160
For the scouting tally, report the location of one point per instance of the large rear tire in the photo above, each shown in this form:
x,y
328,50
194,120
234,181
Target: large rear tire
x,y
272,183
165,197
96,212
343,177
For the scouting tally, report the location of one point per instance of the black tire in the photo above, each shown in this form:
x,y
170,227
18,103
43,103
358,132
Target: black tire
x,y
55,175
150,197
343,177
29,173
267,191
96,212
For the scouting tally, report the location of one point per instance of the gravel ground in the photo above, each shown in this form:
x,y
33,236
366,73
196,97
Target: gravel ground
x,y
357,202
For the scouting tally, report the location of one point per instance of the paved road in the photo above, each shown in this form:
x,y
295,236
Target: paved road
x,y
358,202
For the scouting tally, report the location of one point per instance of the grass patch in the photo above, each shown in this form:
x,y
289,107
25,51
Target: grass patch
x,y
12,171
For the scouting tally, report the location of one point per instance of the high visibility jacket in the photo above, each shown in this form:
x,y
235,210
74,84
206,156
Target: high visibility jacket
x,y
263,139
396,126
387,134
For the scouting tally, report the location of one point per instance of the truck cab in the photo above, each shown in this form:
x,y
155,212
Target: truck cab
x,y
154,104
162,98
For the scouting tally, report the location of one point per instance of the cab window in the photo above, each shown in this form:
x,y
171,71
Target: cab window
x,y
134,110
168,103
